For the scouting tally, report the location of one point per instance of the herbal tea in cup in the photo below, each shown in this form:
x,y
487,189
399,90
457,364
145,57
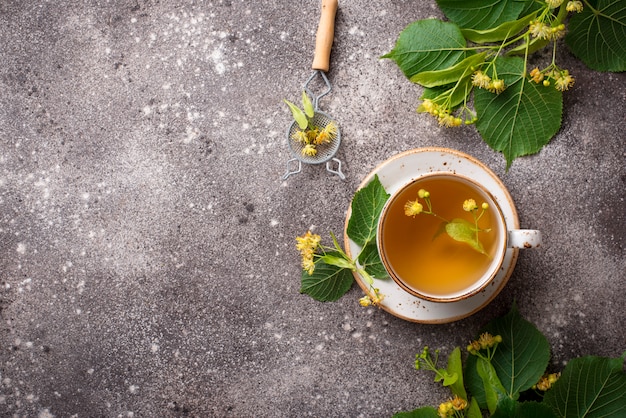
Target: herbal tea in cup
x,y
442,237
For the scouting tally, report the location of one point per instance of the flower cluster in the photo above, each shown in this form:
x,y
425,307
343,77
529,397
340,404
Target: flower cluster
x,y
307,244
441,112
485,341
451,407
562,78
546,381
542,30
553,4
313,136
483,81
574,6
374,298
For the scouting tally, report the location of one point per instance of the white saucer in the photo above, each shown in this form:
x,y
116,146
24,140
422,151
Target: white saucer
x,y
402,169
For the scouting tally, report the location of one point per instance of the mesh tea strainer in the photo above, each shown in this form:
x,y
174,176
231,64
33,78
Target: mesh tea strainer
x,y
321,63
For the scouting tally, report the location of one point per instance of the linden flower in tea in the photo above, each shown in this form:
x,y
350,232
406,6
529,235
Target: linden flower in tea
x,y
458,229
309,135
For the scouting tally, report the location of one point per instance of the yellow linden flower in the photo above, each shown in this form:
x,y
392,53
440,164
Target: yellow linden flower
x,y
487,340
428,106
449,121
445,409
469,205
308,264
306,245
539,30
481,80
300,136
547,381
557,32
322,138
377,297
372,299
554,3
496,86
308,240
574,6
330,129
309,150
473,347
311,135
458,404
564,81
536,75
413,208
423,193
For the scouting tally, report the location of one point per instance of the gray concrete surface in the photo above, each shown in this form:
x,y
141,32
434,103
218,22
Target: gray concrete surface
x,y
147,260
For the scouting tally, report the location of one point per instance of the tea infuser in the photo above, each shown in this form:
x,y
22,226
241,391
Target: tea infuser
x,y
321,63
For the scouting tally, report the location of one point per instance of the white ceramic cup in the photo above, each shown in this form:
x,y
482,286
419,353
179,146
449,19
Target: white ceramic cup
x,y
445,282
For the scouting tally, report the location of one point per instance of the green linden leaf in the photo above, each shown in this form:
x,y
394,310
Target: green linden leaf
x,y
428,45
520,359
370,261
367,204
423,412
534,410
327,283
505,408
596,35
298,115
523,118
464,231
481,14
508,408
590,387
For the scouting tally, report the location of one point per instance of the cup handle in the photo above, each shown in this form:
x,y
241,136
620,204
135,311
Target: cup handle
x,y
524,238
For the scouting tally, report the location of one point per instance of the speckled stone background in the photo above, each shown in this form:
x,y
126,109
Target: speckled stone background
x,y
147,261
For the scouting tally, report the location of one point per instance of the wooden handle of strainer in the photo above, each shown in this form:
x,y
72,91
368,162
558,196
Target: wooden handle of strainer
x,y
325,35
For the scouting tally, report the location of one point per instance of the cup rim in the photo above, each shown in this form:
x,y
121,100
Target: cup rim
x,y
494,266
